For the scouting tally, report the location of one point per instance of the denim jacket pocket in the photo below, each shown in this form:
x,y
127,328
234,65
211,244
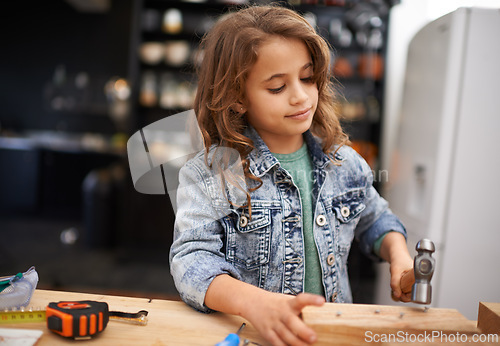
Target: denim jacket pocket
x,y
347,209
248,239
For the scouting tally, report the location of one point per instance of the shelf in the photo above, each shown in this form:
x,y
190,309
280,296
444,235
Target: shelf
x,y
159,36
188,5
186,70
149,115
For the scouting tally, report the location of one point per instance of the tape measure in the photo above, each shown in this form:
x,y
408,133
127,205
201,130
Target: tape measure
x,y
74,319
79,319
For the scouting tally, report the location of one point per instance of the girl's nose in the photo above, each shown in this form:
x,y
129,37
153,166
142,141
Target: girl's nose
x,y
298,94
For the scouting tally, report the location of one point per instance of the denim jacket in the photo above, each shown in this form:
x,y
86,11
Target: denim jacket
x,y
267,249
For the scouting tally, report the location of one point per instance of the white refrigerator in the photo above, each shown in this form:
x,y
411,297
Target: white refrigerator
x,y
444,177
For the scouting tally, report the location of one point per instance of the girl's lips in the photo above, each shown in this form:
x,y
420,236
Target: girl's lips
x,y
303,114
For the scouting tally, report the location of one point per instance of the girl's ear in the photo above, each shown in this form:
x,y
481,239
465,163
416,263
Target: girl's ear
x,y
239,108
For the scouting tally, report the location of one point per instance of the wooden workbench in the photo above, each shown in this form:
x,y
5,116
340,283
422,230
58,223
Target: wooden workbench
x,y
175,323
169,322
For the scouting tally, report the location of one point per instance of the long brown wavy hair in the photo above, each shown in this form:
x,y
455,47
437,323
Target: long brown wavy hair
x,y
230,50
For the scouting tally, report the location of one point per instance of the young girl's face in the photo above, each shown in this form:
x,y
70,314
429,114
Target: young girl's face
x,y
281,97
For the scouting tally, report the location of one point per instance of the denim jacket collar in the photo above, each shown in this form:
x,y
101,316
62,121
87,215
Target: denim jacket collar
x,y
262,160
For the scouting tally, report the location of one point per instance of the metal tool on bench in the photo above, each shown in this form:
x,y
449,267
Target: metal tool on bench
x,y
418,280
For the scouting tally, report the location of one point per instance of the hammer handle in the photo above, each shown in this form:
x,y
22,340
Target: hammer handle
x,y
407,281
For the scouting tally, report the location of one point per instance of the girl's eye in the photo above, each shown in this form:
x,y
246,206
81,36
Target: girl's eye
x,y
280,89
277,90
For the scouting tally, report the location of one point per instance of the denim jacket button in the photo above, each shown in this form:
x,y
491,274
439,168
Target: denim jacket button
x,y
330,259
321,220
334,297
243,221
345,211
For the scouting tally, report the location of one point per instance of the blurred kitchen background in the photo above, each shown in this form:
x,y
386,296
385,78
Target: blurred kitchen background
x,y
79,77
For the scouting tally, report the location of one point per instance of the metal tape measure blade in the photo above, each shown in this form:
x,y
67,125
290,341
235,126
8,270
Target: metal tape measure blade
x,y
22,316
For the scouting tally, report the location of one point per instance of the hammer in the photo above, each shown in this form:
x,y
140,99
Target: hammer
x,y
418,280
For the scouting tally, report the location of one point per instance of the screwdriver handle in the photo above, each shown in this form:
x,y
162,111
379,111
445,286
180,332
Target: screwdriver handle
x,y
230,340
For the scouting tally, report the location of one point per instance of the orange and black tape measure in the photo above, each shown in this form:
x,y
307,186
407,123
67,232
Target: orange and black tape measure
x,y
79,319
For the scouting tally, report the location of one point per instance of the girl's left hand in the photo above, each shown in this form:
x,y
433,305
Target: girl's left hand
x,y
394,251
398,270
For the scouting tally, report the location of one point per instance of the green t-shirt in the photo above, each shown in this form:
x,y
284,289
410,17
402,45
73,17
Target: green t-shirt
x,y
299,165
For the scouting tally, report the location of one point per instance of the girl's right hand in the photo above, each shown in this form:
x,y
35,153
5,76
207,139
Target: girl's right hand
x,y
277,317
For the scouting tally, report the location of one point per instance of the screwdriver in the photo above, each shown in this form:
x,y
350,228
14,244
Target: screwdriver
x,y
232,339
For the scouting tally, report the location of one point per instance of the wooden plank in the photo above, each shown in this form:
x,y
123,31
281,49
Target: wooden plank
x,y
354,324
488,319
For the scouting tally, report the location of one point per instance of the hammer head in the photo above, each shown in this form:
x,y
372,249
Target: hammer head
x,y
423,267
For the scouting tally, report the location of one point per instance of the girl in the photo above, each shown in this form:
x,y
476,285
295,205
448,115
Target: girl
x,y
264,91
